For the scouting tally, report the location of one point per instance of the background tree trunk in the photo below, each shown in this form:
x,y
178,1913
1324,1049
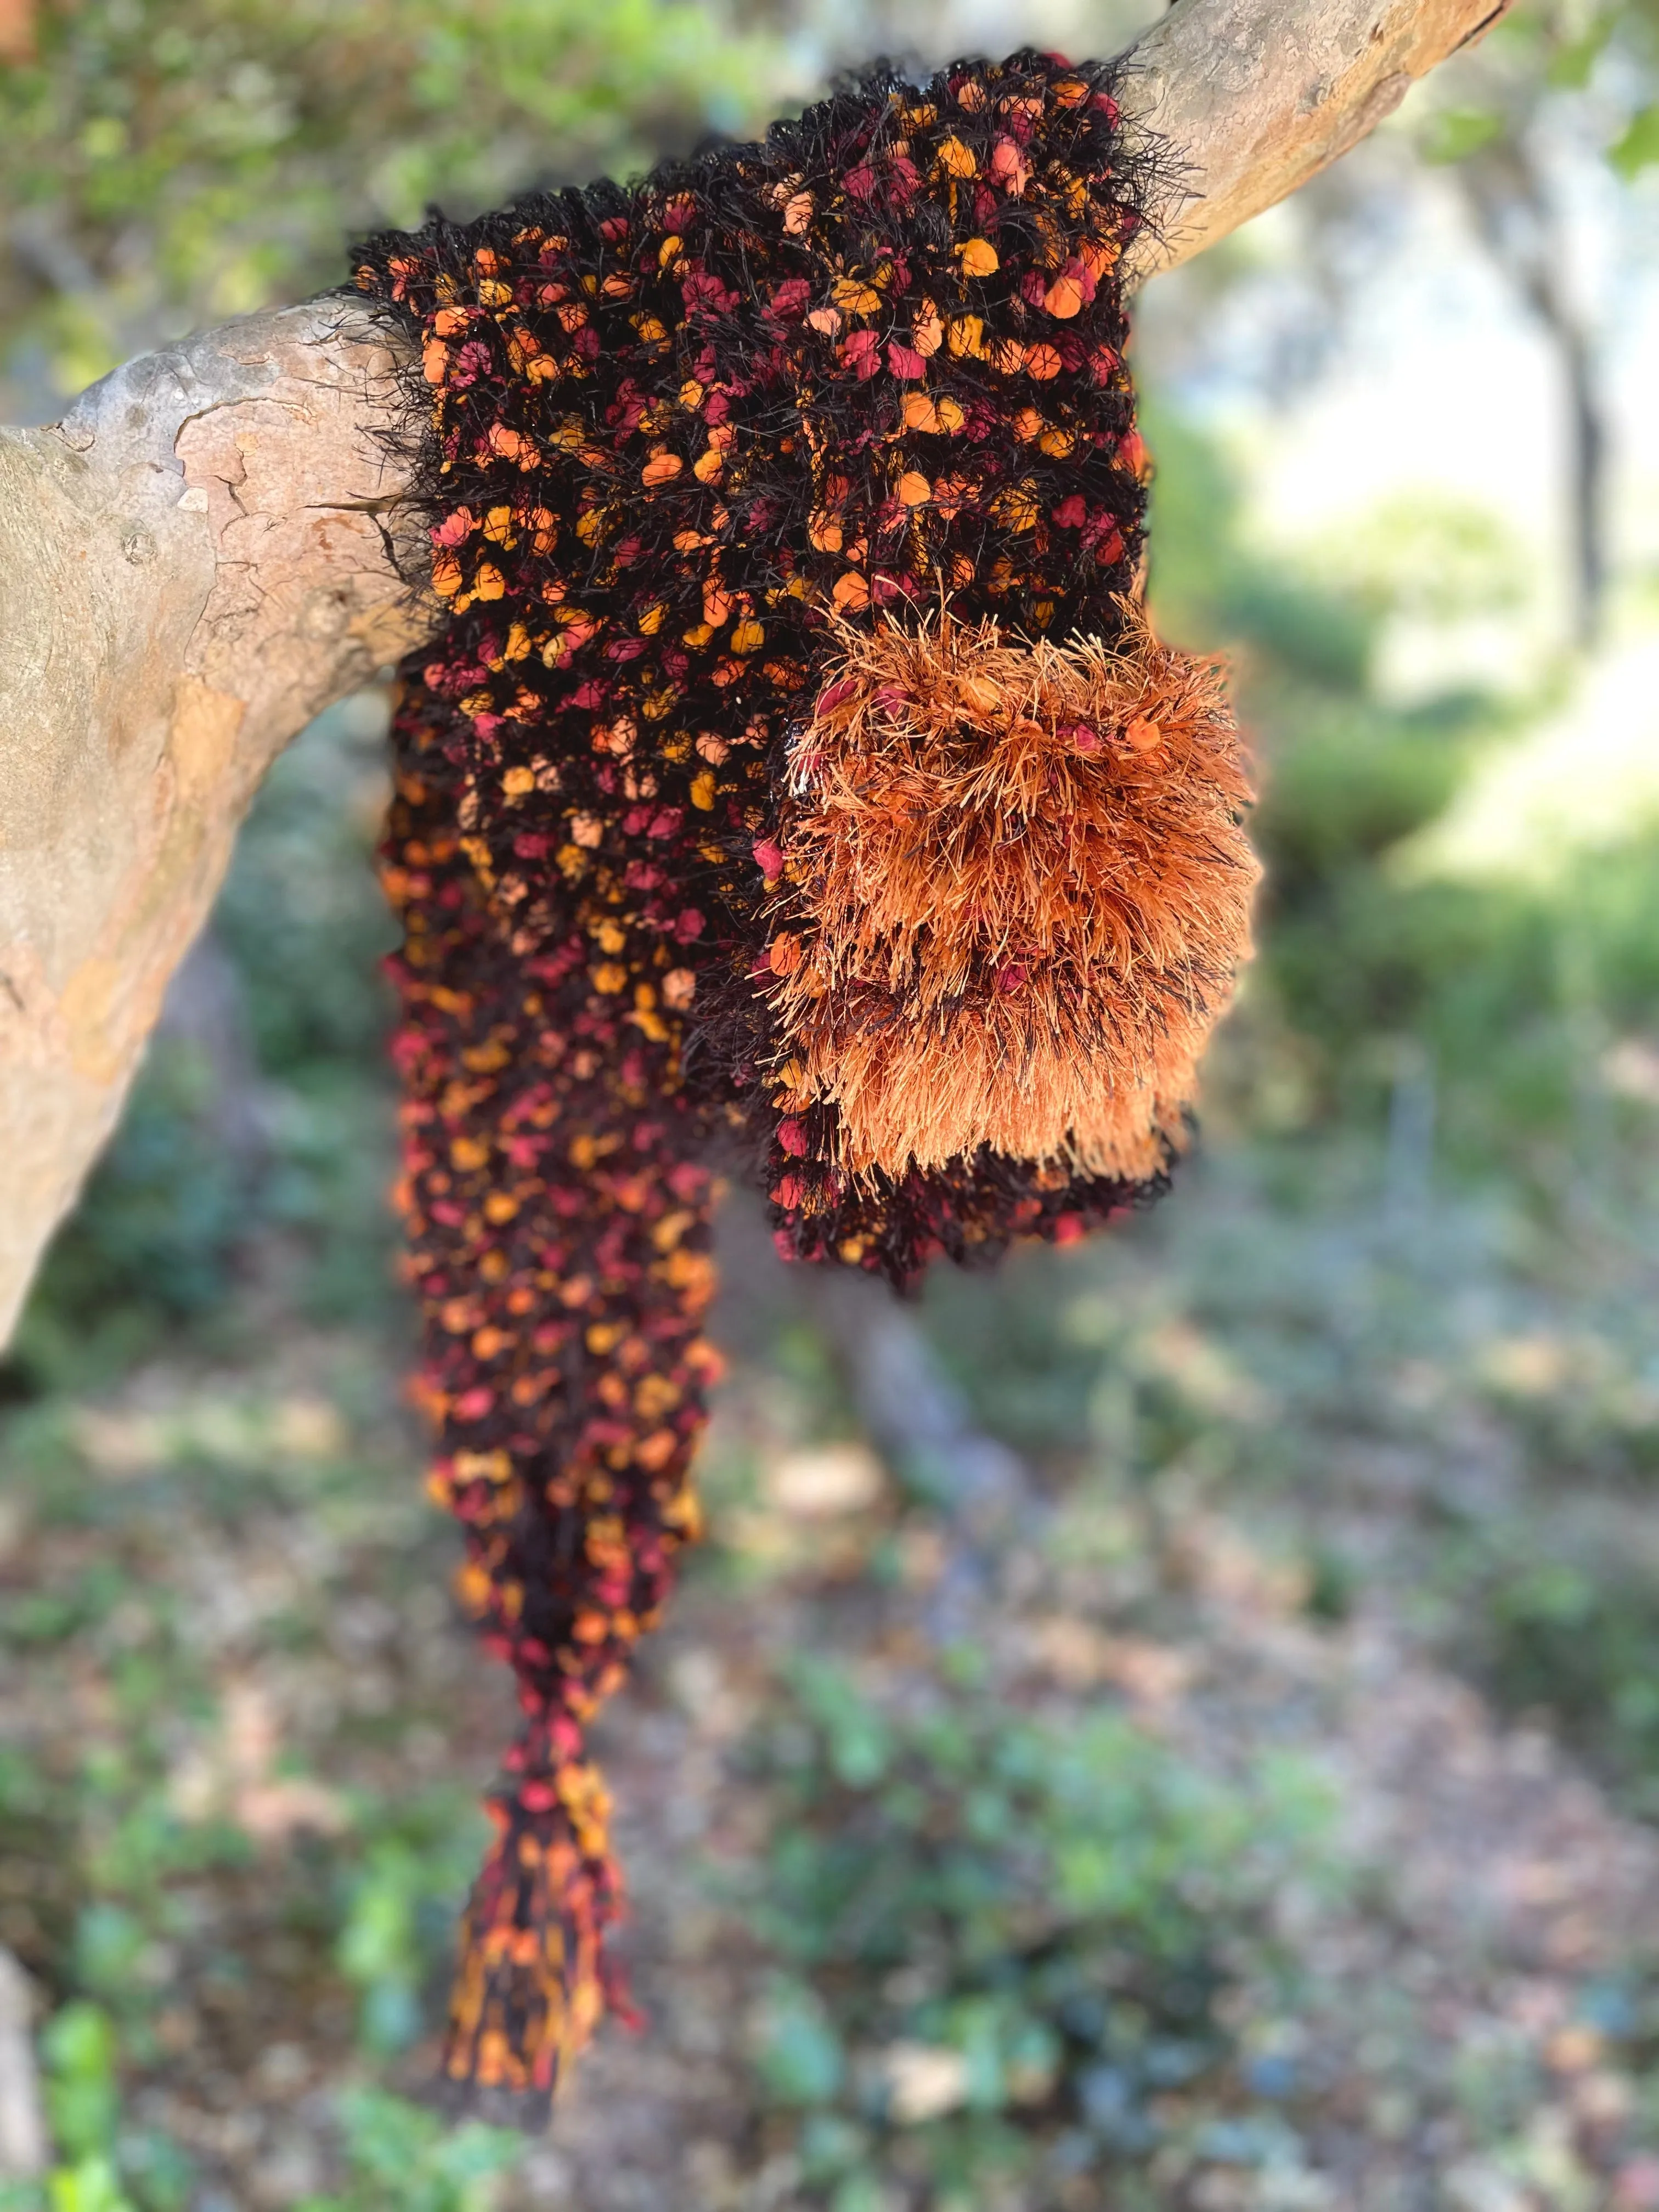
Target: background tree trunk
x,y
1521,223
211,547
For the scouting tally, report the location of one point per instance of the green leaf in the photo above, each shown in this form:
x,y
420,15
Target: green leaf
x,y
1456,132
109,1940
385,2137
832,2145
401,2159
1639,149
159,2174
89,2185
83,2103
859,2192
473,2153
800,2059
1570,66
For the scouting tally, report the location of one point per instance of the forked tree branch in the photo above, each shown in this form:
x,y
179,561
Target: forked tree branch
x,y
211,547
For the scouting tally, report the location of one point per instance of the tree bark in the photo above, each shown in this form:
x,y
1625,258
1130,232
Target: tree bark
x,y
1520,220
211,547
199,560
1251,100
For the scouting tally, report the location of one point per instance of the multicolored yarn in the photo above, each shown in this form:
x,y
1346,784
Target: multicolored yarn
x,y
796,764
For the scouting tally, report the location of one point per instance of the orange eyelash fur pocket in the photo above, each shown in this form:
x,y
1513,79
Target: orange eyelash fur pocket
x,y
1017,894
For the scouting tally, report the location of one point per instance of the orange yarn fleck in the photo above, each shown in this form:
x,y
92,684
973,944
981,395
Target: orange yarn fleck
x,y
1018,895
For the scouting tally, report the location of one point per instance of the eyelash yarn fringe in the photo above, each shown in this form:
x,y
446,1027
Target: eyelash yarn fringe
x,y
795,765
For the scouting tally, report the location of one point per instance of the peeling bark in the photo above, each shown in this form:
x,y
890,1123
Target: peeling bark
x,y
211,548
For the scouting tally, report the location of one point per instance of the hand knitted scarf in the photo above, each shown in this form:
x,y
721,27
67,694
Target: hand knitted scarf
x,y
796,763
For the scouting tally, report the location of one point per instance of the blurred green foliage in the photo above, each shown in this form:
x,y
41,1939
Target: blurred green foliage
x,y
402,2159
1551,51
167,163
1003,1943
1503,989
161,1227
396,1932
115,1834
83,2108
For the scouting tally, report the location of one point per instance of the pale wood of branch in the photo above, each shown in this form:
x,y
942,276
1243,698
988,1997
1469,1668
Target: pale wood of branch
x,y
1248,102
211,548
196,562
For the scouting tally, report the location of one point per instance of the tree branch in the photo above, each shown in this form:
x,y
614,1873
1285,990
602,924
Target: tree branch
x,y
1250,100
197,565
211,548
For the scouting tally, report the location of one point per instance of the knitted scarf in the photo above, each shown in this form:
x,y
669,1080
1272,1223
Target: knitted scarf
x,y
796,768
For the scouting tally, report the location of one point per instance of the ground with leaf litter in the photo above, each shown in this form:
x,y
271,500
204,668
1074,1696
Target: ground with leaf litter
x,y
1158,1831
